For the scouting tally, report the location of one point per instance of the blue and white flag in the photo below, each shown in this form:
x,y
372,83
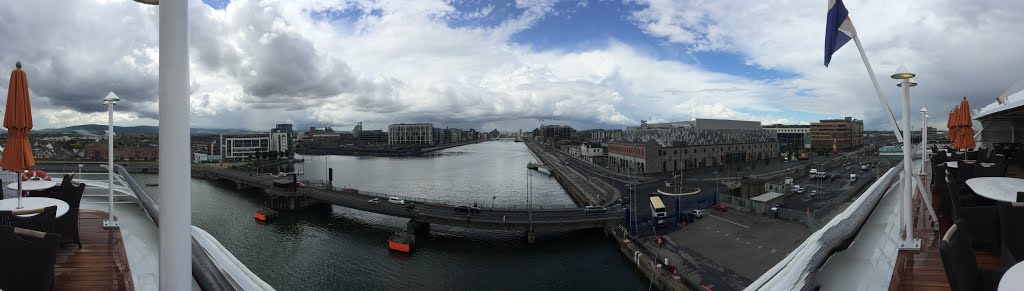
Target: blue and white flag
x,y
838,28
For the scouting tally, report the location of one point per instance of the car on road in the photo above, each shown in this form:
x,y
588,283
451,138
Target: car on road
x,y
697,213
814,193
720,207
594,209
374,201
467,209
396,200
300,185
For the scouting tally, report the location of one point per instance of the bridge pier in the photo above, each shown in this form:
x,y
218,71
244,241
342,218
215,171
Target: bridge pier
x,y
416,227
291,203
531,236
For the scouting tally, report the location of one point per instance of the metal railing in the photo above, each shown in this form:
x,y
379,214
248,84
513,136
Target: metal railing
x,y
204,271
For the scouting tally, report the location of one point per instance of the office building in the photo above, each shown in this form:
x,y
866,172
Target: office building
x,y
414,133
837,134
794,138
243,146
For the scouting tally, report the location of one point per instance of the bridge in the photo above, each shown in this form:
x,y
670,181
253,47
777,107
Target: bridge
x,y
425,212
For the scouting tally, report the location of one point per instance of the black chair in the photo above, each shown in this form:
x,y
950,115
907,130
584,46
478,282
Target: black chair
x,y
981,221
939,187
44,220
961,264
54,192
990,171
29,259
67,225
1010,221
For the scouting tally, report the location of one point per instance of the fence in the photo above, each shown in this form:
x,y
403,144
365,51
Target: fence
x,y
782,213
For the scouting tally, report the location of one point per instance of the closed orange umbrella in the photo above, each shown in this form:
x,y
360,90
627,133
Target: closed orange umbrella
x,y
951,129
17,155
966,129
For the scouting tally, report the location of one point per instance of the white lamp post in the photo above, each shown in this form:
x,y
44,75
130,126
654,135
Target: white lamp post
x,y
110,101
924,137
908,242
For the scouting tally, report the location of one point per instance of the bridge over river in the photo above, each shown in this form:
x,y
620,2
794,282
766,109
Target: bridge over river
x,y
425,212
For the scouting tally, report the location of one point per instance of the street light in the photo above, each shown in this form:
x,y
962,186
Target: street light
x,y
110,101
907,81
924,137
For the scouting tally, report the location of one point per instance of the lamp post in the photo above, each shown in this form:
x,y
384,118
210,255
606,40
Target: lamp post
x,y
110,101
924,137
908,242
80,171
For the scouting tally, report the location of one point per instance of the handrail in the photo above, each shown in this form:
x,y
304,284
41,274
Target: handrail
x,y
798,270
204,271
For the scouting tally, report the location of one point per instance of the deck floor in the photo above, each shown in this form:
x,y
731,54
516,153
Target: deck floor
x,y
101,263
923,270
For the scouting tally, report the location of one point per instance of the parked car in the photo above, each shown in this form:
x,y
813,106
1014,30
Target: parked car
x,y
687,217
410,206
300,185
720,207
374,201
467,209
396,200
697,213
594,209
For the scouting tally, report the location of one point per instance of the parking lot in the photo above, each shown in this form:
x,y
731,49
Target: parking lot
x,y
743,244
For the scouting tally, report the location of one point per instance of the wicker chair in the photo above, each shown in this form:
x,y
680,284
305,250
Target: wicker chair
x,y
45,220
980,222
29,259
961,265
67,225
1011,219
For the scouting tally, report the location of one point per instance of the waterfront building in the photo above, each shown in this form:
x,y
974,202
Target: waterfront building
x,y
837,134
243,146
411,133
793,138
373,136
281,137
703,143
553,132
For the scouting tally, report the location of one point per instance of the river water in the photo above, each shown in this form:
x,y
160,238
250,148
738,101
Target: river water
x,y
335,248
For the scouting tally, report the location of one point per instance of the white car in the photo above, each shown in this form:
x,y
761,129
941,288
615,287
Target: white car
x,y
697,213
374,201
396,200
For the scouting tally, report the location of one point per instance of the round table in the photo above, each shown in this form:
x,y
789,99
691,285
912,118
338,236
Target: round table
x,y
32,185
34,203
1013,279
997,188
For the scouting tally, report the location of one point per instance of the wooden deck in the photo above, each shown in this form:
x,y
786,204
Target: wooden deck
x,y
101,263
923,270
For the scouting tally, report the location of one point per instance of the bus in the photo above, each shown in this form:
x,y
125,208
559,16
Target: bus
x,y
657,208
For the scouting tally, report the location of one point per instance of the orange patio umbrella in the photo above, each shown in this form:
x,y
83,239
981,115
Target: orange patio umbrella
x,y
966,130
951,129
17,156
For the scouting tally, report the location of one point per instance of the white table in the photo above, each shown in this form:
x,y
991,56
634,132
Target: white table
x,y
32,185
1013,279
34,203
954,164
997,188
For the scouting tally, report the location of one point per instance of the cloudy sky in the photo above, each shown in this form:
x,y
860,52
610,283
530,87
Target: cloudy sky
x,y
506,64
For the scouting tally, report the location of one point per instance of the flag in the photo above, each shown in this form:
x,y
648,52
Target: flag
x,y
838,28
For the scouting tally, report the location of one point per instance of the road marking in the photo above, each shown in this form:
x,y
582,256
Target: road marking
x,y
726,220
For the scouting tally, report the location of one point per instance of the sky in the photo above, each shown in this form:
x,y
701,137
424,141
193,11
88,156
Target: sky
x,y
510,65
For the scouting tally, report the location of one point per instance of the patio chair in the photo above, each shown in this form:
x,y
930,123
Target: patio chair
x,y
54,192
961,265
1011,219
67,225
44,220
29,259
980,221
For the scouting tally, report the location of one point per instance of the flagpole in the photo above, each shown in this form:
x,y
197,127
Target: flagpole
x,y
878,89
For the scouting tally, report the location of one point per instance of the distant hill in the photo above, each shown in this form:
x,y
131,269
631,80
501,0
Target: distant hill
x,y
99,129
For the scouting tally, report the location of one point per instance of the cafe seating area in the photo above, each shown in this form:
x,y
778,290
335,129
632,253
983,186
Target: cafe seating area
x,y
59,246
978,196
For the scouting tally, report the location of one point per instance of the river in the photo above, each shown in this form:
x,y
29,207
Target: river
x,y
335,248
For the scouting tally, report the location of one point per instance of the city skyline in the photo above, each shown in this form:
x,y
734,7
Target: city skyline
x,y
589,64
